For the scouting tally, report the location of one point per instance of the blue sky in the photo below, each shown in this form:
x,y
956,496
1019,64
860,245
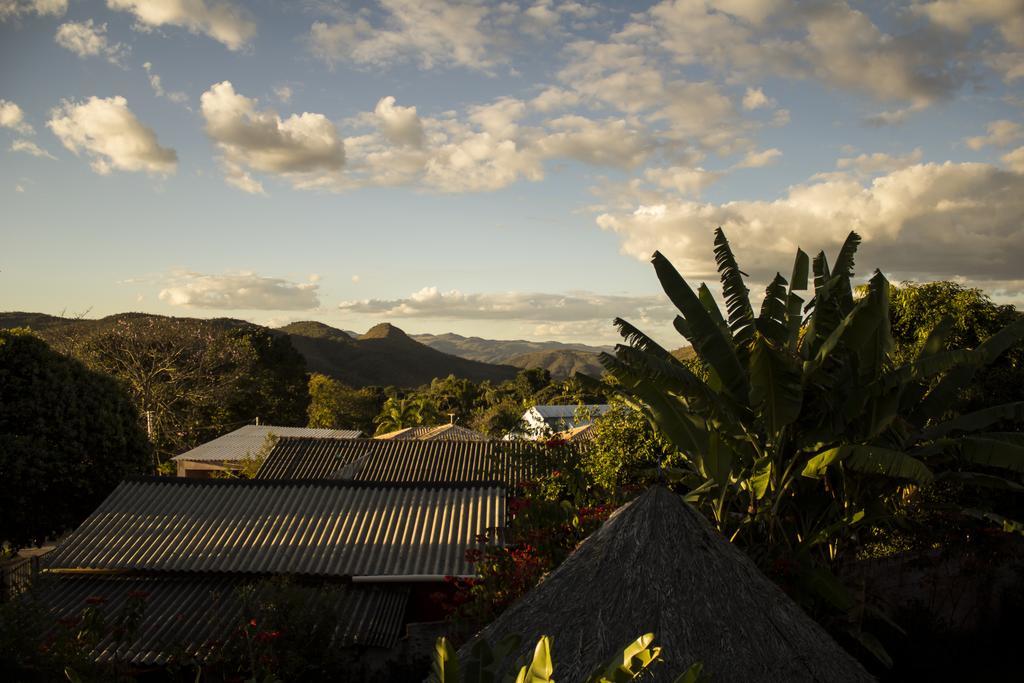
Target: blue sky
x,y
499,169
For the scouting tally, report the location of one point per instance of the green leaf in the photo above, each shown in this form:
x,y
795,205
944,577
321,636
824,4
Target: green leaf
x,y
776,393
870,460
772,320
711,345
794,321
446,662
801,266
872,645
972,422
761,477
711,306
540,668
737,296
691,675
988,481
997,452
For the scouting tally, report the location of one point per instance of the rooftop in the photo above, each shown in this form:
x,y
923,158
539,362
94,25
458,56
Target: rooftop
x,y
248,440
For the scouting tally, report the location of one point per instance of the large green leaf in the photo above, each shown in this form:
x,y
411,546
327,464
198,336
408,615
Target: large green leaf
x,y
979,419
945,392
637,339
665,412
711,306
865,331
801,265
540,668
628,664
707,338
446,662
776,393
794,321
870,460
843,271
771,322
692,675
999,452
737,296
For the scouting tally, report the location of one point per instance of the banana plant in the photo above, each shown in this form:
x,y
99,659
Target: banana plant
x,y
800,427
482,663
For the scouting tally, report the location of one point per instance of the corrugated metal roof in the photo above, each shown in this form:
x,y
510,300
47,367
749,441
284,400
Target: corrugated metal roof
x,y
548,412
321,528
448,432
402,460
193,616
248,440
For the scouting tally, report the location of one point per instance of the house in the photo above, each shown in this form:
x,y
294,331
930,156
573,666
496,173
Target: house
x,y
545,421
227,452
448,432
375,553
405,461
657,566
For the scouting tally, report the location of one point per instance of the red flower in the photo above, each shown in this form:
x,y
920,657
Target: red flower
x,y
252,622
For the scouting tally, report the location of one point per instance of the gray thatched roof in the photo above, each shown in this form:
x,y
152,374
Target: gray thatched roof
x,y
657,566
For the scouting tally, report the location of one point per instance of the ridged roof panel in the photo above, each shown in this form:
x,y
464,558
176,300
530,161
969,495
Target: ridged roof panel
x,y
193,616
248,440
402,460
318,528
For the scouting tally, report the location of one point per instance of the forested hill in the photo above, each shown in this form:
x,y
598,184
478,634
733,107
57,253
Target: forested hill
x,y
385,355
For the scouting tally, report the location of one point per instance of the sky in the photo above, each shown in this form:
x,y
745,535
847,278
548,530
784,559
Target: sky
x,y
499,169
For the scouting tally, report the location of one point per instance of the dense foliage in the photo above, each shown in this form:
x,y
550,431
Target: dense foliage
x,y
68,435
197,379
807,427
334,405
485,663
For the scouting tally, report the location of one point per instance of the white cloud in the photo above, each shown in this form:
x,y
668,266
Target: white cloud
x,y
687,181
879,162
221,20
434,33
29,147
399,124
755,98
755,159
1002,133
1015,160
300,145
830,42
19,188
355,279
431,302
283,93
111,134
612,142
87,39
158,87
16,8
961,16
238,291
12,116
553,99
925,221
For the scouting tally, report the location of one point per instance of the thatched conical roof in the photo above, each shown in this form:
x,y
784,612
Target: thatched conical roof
x,y
657,566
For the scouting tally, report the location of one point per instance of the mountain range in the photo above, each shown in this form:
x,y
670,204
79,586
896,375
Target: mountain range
x,y
384,355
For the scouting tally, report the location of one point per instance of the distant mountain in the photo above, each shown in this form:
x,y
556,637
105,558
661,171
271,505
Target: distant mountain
x,y
497,350
384,355
561,363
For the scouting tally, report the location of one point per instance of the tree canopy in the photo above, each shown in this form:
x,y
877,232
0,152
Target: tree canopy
x,y
68,435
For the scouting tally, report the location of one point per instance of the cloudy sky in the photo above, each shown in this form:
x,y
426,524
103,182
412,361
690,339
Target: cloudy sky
x,y
502,169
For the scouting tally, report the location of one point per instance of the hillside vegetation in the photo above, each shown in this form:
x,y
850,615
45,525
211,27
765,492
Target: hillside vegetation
x,y
384,356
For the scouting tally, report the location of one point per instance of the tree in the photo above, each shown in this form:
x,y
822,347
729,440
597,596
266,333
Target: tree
x,y
334,405
197,379
917,308
624,448
401,413
806,427
67,437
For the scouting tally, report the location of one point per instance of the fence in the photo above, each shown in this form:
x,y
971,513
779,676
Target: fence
x,y
17,575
